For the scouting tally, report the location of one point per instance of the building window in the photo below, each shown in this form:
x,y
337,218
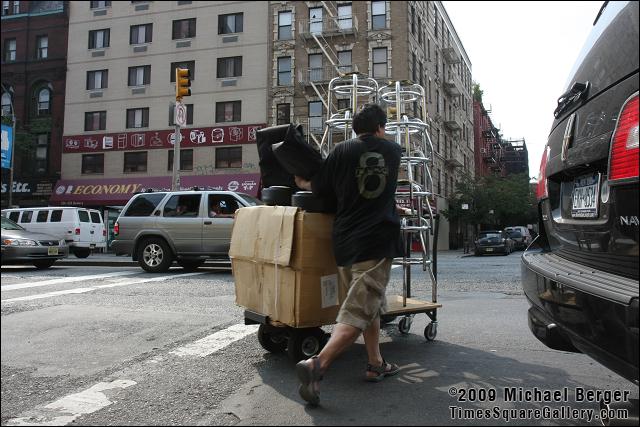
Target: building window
x,y
284,71
437,63
345,19
315,116
344,61
10,50
414,71
190,65
429,49
228,111
42,49
92,163
140,34
95,120
100,4
380,62
16,7
99,39
6,104
283,114
43,102
184,29
378,15
435,28
5,7
42,154
437,101
137,118
231,23
315,20
97,79
412,18
284,26
135,162
228,157
186,160
229,67
140,76
315,67
189,114
419,30
420,73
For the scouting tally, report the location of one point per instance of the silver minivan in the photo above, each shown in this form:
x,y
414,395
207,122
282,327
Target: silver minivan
x,y
186,226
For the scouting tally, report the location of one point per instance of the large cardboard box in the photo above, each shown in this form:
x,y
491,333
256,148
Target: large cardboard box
x,y
283,265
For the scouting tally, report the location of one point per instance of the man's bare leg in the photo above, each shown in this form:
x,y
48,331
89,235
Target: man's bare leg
x,y
372,342
342,337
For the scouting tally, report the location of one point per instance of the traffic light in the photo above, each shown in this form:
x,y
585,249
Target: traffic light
x,y
183,82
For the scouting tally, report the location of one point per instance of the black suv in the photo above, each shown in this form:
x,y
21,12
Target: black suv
x,y
581,274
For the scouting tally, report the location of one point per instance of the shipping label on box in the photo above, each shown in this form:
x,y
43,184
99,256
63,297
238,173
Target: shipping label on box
x,y
329,286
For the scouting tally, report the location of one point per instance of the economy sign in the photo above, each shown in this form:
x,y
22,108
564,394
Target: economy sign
x,y
7,146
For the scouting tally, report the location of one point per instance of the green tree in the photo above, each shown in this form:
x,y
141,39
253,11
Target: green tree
x,y
477,92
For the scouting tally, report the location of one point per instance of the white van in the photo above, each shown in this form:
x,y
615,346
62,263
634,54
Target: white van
x,y
523,230
82,229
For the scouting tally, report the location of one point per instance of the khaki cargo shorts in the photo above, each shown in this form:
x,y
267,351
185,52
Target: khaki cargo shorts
x,y
365,284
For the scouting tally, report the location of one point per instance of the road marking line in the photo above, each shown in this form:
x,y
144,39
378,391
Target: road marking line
x,y
93,288
69,408
216,342
67,280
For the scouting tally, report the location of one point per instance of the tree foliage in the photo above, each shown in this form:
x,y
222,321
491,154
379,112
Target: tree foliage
x,y
477,92
493,202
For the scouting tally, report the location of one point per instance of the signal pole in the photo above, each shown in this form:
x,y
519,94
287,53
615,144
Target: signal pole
x,y
183,82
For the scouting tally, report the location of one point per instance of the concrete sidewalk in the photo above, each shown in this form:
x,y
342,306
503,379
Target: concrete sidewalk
x,y
111,260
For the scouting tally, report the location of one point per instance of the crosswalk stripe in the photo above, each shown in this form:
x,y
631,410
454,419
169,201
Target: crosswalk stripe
x,y
217,341
68,280
93,288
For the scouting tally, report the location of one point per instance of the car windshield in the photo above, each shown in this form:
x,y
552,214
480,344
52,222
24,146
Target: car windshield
x,y
252,201
490,235
7,224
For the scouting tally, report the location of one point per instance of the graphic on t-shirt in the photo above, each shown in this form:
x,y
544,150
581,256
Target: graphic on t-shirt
x,y
371,175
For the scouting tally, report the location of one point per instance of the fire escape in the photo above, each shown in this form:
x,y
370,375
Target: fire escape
x,y
453,86
492,150
324,28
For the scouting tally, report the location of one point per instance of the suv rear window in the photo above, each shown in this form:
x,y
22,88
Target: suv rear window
x,y
144,204
56,216
42,216
187,205
84,216
95,218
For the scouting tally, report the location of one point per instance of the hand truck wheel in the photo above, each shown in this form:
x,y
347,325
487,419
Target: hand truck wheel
x,y
304,343
430,331
387,318
405,325
272,340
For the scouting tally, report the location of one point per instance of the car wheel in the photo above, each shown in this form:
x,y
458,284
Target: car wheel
x,y
189,264
154,255
43,264
82,252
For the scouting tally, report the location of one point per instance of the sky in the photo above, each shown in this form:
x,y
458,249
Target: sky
x,y
521,54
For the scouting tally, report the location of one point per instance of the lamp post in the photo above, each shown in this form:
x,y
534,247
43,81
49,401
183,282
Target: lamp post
x,y
13,142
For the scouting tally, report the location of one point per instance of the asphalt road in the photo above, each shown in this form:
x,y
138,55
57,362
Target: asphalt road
x,y
114,346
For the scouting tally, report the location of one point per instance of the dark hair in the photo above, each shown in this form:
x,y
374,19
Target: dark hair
x,y
369,119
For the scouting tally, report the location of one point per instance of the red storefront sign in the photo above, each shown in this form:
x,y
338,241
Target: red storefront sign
x,y
118,191
145,140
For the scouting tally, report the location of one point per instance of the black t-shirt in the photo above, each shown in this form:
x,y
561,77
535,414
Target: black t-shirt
x,y
362,175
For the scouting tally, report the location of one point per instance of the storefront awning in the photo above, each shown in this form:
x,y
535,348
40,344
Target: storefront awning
x,y
118,191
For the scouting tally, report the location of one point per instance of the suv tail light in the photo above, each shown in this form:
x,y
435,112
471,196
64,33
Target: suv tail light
x,y
104,232
623,161
542,190
116,229
77,231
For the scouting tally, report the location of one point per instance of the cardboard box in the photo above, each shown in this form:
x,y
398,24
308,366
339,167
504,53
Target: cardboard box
x,y
283,265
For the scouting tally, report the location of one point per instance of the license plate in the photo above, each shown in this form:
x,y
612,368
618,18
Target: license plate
x,y
584,198
489,249
52,251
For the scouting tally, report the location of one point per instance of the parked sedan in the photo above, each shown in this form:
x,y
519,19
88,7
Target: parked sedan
x,y
492,242
20,246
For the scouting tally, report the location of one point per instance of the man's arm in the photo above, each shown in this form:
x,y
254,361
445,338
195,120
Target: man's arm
x,y
303,183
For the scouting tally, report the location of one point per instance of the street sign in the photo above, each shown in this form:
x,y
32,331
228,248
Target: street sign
x,y
180,118
7,146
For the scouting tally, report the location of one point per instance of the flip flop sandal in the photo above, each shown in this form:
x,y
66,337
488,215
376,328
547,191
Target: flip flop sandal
x,y
309,377
383,371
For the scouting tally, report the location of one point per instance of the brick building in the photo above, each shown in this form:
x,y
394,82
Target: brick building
x,y
34,64
387,40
